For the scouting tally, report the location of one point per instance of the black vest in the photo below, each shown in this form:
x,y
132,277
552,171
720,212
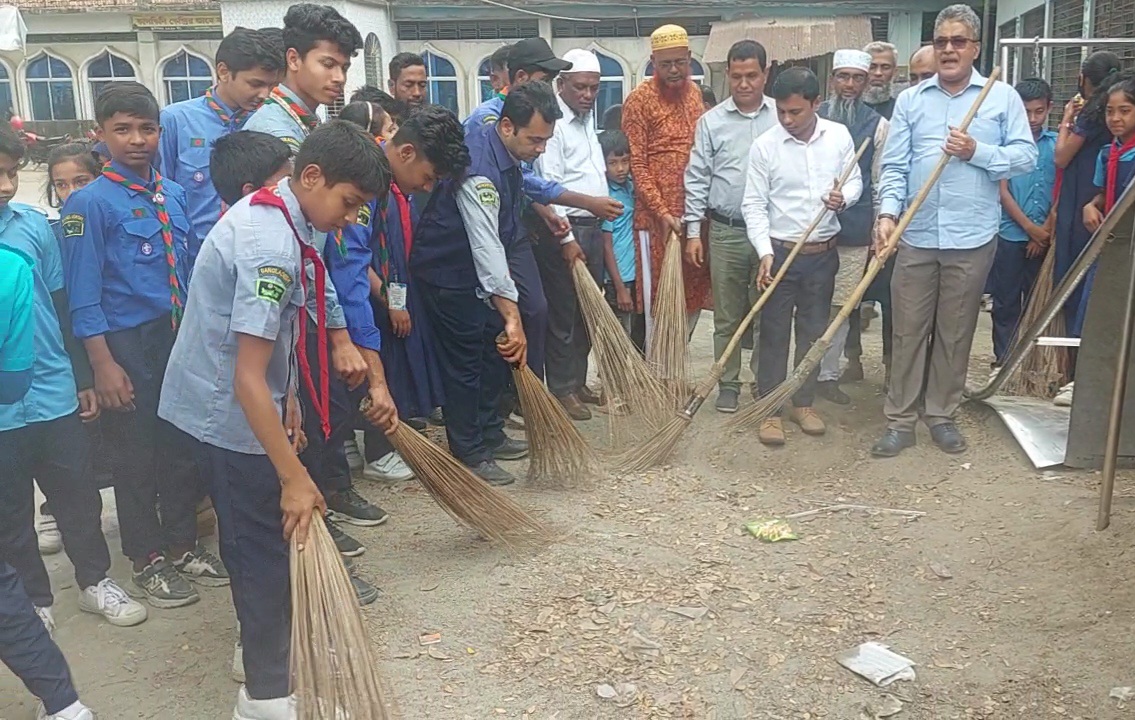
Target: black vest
x,y
856,221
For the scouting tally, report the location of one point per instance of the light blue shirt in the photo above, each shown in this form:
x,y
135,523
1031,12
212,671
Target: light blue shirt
x,y
52,393
963,209
17,327
1033,191
622,229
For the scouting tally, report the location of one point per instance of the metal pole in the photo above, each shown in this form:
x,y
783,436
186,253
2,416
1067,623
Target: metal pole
x,y
1118,395
987,35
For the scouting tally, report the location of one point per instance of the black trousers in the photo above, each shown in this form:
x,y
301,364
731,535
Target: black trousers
x,y
806,293
245,490
473,372
55,454
880,292
567,344
150,459
533,313
1010,282
27,649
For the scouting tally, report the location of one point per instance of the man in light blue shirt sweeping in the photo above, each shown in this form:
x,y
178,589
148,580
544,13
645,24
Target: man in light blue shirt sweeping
x,y
947,251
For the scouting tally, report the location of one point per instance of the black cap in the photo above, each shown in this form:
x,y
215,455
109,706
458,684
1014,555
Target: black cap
x,y
535,52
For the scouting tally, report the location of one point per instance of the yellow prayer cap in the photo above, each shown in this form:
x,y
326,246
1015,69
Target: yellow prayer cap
x,y
669,36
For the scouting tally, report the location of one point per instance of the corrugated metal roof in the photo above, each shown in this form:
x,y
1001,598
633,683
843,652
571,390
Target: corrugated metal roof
x,y
790,38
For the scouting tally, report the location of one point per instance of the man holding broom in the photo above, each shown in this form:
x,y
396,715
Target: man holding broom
x,y
792,175
945,254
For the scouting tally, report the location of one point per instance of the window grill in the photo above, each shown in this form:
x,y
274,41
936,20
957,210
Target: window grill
x,y
423,31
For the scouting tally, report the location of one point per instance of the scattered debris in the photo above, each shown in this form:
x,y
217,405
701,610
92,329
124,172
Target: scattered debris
x,y
429,638
624,694
693,613
877,663
940,570
735,677
1122,694
775,530
869,509
885,707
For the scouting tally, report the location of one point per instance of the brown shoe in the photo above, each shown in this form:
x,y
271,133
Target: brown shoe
x,y
808,420
588,396
771,432
574,408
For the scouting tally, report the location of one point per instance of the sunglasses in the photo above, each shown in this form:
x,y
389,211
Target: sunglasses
x,y
957,42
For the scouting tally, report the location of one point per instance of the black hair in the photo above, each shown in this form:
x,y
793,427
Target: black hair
x,y
367,115
244,157
499,59
796,80
274,36
403,60
1125,85
346,153
305,25
1102,70
245,49
396,109
80,153
614,142
1034,89
747,50
131,98
707,95
436,133
613,117
522,103
11,144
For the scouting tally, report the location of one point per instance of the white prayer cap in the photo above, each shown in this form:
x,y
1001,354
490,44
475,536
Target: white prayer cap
x,y
851,60
581,61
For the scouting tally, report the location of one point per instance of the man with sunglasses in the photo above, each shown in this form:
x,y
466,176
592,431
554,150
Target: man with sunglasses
x,y
947,251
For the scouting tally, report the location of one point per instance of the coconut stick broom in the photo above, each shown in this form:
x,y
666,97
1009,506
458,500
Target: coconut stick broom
x,y
627,381
662,443
467,498
1043,370
771,403
334,673
558,454
669,338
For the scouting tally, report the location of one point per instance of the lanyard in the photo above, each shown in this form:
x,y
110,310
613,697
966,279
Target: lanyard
x,y
235,120
322,398
403,204
159,199
303,118
1113,171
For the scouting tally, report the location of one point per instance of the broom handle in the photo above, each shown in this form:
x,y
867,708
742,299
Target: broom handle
x,y
876,265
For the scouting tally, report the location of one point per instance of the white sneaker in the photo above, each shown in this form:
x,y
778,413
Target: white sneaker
x,y
354,457
276,709
238,663
389,468
1064,397
112,602
47,619
50,539
75,711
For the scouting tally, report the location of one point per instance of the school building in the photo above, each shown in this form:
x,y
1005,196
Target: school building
x,y
75,47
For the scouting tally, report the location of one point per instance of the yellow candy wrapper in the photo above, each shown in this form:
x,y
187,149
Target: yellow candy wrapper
x,y
775,530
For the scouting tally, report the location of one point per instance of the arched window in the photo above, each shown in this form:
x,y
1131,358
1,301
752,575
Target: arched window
x,y
443,81
484,79
51,89
372,61
106,69
186,76
697,72
610,86
7,100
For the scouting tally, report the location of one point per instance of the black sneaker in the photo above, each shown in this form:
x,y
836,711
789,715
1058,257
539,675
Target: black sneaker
x,y
853,372
203,568
364,591
163,586
350,507
419,423
493,474
347,545
511,449
726,400
829,390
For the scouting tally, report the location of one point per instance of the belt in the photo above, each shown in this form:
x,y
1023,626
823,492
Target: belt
x,y
812,248
583,221
726,220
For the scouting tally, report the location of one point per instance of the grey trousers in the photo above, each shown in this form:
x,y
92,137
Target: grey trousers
x,y
733,265
934,293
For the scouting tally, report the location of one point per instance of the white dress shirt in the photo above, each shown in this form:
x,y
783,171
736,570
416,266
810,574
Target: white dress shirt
x,y
788,180
574,159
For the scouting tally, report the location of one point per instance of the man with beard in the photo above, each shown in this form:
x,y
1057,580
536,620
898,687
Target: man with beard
x,y
880,75
850,72
408,79
715,185
659,117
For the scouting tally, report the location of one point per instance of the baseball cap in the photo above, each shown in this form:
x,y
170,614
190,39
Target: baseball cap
x,y
535,52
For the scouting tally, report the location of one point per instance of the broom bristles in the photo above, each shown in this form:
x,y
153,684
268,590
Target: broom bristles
x,y
656,449
466,497
668,341
1042,372
558,454
753,415
333,671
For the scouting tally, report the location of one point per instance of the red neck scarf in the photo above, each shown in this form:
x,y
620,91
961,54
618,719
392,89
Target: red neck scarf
x,y
299,113
322,398
403,204
1110,191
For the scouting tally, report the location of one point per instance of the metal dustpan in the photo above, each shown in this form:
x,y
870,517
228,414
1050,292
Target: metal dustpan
x,y
1040,428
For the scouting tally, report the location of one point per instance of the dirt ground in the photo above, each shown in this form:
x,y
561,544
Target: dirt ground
x,y
1005,597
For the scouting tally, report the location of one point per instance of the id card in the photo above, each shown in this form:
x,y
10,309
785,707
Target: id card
x,y
396,296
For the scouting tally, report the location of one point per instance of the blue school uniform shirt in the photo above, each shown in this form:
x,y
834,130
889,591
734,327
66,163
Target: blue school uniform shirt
x,y
537,188
52,393
349,276
1123,176
114,257
622,229
17,326
1033,191
189,129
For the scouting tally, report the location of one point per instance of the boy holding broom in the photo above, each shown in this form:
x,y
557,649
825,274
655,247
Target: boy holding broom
x,y
243,323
